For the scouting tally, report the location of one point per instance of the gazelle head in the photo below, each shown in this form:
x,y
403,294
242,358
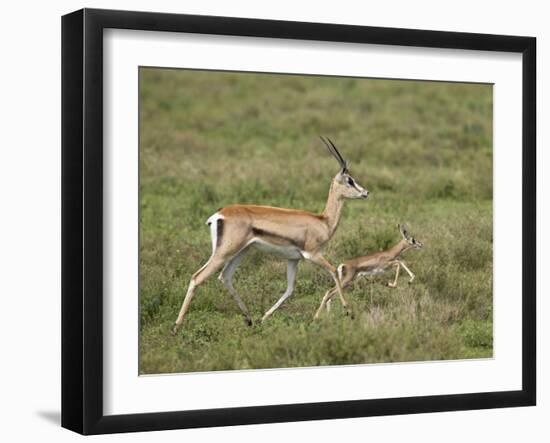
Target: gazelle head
x,y
410,240
343,183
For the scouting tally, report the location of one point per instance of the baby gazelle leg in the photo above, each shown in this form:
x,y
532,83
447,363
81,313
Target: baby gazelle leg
x,y
408,271
318,259
329,301
346,280
326,299
342,299
394,283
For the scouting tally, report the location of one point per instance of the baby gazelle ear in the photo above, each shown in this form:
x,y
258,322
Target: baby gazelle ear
x,y
403,231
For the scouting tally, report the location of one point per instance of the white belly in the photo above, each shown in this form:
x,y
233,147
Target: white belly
x,y
286,252
373,272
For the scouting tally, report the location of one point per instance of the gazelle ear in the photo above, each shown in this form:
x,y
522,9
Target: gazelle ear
x,y
345,169
403,230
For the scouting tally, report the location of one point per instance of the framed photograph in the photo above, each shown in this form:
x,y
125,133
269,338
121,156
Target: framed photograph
x,y
269,221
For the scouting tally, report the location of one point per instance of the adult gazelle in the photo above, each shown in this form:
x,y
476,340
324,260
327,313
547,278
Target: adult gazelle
x,y
287,233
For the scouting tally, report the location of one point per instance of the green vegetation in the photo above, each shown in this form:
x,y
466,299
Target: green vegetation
x,y
423,149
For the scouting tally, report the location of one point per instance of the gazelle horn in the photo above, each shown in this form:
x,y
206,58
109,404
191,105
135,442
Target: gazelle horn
x,y
332,149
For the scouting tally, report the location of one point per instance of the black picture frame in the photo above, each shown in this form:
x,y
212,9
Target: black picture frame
x,y
82,218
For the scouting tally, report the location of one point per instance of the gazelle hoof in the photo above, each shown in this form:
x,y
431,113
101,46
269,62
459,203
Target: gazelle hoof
x,y
391,285
248,322
174,330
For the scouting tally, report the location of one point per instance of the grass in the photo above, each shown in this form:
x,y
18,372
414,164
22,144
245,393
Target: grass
x,y
423,149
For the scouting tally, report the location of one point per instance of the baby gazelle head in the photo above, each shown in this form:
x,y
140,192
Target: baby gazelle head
x,y
410,240
343,183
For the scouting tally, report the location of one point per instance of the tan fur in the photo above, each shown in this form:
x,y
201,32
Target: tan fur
x,y
372,264
291,233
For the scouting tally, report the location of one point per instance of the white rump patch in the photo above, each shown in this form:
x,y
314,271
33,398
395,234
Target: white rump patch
x,y
213,223
340,269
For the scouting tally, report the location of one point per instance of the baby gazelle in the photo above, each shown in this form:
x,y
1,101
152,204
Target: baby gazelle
x,y
374,264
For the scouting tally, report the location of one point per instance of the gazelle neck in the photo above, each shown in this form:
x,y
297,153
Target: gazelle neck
x,y
333,210
399,248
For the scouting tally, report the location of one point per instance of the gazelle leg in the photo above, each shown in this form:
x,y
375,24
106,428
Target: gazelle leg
x,y
394,284
291,267
318,259
215,263
325,301
344,283
408,271
226,277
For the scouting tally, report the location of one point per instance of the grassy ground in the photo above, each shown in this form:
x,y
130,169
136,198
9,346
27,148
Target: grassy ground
x,y
423,149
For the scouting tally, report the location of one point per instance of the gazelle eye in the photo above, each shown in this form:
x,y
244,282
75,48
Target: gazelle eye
x,y
414,241
350,181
